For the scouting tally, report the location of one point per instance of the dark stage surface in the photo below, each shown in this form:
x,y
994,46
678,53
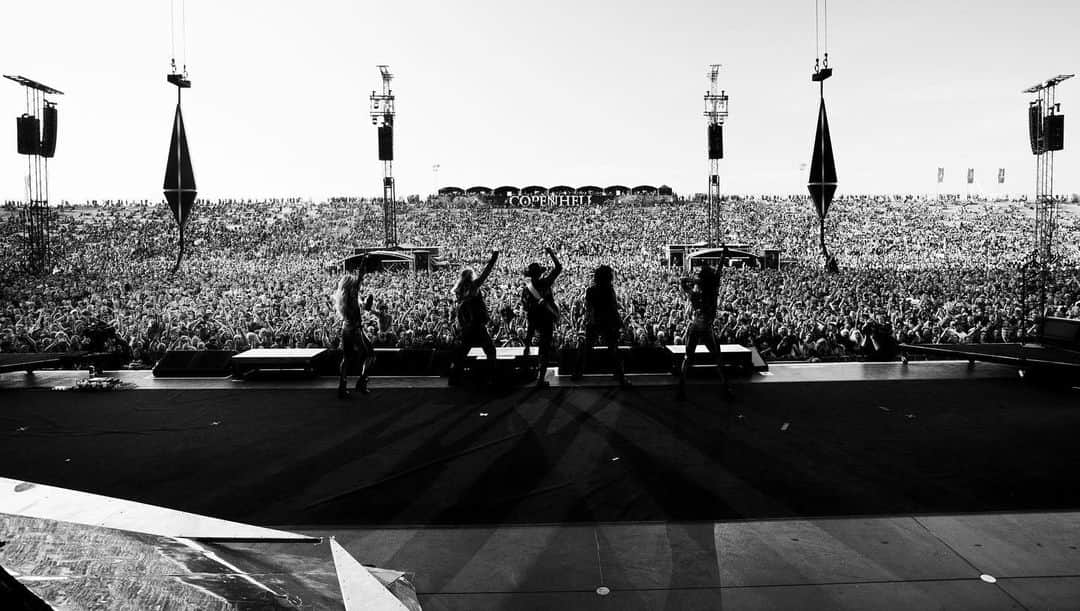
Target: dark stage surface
x,y
805,441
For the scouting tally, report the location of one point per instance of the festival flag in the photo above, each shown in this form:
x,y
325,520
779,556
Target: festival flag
x,y
971,175
940,175
1001,176
179,177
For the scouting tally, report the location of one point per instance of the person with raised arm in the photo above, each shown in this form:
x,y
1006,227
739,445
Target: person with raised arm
x,y
472,316
702,292
355,346
541,310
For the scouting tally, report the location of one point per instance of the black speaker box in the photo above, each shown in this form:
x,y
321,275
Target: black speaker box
x,y
1054,132
194,364
29,135
48,132
386,143
716,142
1060,332
772,258
1035,129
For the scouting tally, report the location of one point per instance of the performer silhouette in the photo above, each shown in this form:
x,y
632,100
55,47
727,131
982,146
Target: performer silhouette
x,y
602,321
355,345
703,292
541,309
472,315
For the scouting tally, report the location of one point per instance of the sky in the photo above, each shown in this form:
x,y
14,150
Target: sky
x,y
500,92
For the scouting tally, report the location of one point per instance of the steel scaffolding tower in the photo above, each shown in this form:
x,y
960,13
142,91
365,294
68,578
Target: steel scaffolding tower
x,y
1046,127
382,116
716,111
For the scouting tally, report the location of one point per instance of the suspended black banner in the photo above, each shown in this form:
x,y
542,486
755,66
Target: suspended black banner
x,y
822,183
179,177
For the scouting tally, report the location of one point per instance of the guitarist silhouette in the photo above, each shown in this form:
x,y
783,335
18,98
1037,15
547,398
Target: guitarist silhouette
x,y
541,310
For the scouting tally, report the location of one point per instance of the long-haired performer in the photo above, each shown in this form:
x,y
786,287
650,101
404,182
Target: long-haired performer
x,y
354,342
602,321
472,315
703,292
542,311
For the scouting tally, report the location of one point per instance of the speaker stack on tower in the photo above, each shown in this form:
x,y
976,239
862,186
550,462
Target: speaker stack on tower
x,y
1035,129
29,134
48,132
1054,132
386,143
716,141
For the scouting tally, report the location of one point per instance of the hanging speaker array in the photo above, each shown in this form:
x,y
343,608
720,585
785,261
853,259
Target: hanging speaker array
x,y
1035,129
48,132
29,134
716,141
1054,132
32,139
386,143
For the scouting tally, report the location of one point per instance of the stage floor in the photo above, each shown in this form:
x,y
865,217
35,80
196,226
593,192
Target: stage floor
x,y
806,486
882,563
807,440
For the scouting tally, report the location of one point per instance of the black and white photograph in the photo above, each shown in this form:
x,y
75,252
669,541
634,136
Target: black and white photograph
x,y
527,306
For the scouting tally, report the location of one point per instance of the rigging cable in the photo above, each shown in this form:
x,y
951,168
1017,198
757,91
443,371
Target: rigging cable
x,y
817,32
183,31
172,31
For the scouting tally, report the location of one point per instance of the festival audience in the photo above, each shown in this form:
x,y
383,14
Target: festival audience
x,y
260,273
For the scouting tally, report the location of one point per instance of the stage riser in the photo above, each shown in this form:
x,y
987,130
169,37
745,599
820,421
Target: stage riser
x,y
430,362
635,360
270,362
507,371
30,361
194,363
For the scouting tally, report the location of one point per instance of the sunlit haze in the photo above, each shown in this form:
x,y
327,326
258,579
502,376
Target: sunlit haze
x,y
555,92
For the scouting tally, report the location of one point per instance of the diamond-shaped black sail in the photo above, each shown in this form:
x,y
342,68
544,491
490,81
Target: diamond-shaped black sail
x,y
822,183
179,177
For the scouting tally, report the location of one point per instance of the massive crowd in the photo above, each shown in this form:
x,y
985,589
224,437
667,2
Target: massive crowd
x,y
260,274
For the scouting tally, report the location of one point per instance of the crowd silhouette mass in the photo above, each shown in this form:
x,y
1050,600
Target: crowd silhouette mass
x,y
261,273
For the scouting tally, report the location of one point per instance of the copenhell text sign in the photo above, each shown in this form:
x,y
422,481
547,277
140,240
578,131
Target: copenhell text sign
x,y
547,200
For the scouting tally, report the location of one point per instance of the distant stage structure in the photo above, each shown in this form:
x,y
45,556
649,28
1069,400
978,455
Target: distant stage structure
x,y
37,131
